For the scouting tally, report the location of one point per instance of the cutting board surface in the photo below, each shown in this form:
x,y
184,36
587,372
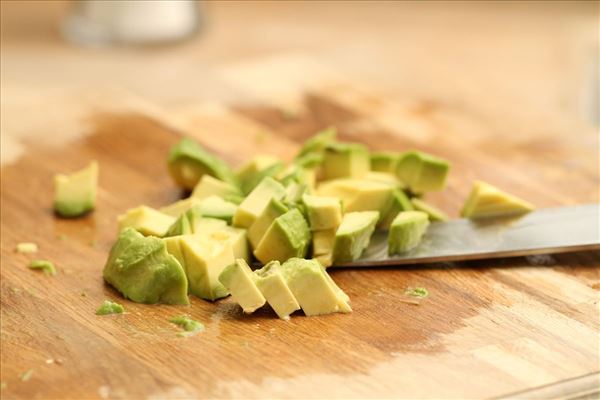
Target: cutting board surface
x,y
489,328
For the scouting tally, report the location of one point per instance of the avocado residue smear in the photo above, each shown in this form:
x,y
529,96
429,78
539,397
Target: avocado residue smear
x,y
2,385
25,376
27,248
190,326
419,292
44,265
109,307
63,237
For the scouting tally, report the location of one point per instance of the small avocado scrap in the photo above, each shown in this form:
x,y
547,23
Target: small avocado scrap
x,y
323,212
27,248
254,204
259,227
313,288
75,194
487,201
193,221
434,213
45,265
240,281
419,292
422,172
288,236
384,161
211,186
406,231
353,235
25,376
399,202
188,161
271,283
109,307
180,206
358,194
318,142
345,160
190,327
146,220
141,269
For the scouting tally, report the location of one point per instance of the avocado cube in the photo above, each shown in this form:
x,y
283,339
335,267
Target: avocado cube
x,y
257,200
271,282
146,220
75,194
358,194
216,207
398,202
353,235
240,281
252,173
487,201
325,260
179,207
259,227
288,236
384,161
406,231
141,269
235,236
323,212
323,241
313,288
188,162
210,186
383,177
301,175
318,142
345,160
193,221
434,213
422,172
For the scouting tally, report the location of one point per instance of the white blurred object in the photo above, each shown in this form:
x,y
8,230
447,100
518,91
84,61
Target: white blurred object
x,y
99,22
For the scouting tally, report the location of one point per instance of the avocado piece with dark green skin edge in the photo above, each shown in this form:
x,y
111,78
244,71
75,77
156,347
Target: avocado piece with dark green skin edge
x,y
188,161
434,213
141,269
75,194
288,236
384,161
399,202
422,172
345,160
406,231
353,235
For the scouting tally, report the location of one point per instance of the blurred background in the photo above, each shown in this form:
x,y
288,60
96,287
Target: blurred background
x,y
514,63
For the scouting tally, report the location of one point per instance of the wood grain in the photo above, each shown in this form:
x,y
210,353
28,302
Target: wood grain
x,y
489,328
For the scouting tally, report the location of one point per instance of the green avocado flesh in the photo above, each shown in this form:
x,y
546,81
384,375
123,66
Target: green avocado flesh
x,y
259,227
211,186
240,281
44,265
141,269
384,161
358,194
75,194
146,220
194,221
323,212
318,142
273,286
188,325
288,236
434,213
345,160
422,172
406,231
108,307
254,204
487,201
398,202
188,162
353,235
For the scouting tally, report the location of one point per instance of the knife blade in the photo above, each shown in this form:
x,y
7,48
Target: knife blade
x,y
545,231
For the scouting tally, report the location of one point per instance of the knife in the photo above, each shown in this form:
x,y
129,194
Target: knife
x,y
546,231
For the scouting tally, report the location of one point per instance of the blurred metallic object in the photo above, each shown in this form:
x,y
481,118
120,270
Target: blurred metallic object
x,y
103,22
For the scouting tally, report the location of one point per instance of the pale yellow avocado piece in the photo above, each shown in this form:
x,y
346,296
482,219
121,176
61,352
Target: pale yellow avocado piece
x,y
272,284
239,280
211,186
254,204
313,288
259,227
326,260
146,220
323,212
235,236
255,165
486,201
358,194
75,194
180,206
345,160
323,241
383,177
434,213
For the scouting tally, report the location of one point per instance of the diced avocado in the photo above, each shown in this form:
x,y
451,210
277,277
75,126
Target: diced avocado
x,y
210,186
254,204
353,235
486,201
259,227
309,160
434,213
253,172
345,160
180,206
216,207
141,269
188,162
203,260
75,194
239,280
271,283
294,192
146,220
312,287
109,307
323,241
422,172
323,212
300,175
399,201
288,236
384,161
406,231
325,259
318,142
193,221
249,184
383,177
358,194
235,236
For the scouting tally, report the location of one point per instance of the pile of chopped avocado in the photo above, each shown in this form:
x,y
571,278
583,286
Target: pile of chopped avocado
x,y
296,219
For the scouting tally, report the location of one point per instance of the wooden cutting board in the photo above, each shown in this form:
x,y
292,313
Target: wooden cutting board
x,y
519,327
